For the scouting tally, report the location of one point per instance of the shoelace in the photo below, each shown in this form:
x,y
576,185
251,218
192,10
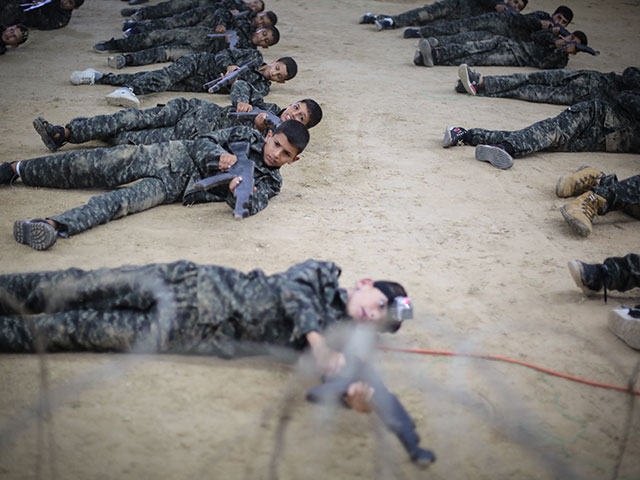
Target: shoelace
x,y
589,206
584,181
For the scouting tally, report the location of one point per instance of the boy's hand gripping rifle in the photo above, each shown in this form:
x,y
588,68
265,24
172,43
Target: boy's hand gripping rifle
x,y
242,168
272,121
384,403
214,85
579,47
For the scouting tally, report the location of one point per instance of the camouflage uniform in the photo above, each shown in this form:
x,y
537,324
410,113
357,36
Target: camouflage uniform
x,y
622,273
564,87
193,37
444,9
190,72
203,16
591,126
167,173
508,24
540,52
180,307
623,195
47,17
179,119
161,54
173,7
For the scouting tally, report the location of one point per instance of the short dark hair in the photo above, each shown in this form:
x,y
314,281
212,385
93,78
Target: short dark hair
x,y
24,33
273,18
524,3
261,8
391,290
78,3
315,112
580,35
566,12
292,66
275,32
296,133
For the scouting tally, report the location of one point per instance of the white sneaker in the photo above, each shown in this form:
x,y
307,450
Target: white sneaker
x,y
116,61
123,97
625,323
84,77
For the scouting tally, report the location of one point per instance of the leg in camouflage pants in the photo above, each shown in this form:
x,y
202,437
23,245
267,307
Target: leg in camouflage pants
x,y
188,73
563,87
623,273
444,9
585,127
122,309
464,37
157,55
163,170
622,195
194,37
494,51
171,7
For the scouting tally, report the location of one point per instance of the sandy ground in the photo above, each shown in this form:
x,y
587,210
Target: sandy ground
x,y
482,252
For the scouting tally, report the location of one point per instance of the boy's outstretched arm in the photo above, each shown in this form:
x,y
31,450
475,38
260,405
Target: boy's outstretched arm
x,y
329,361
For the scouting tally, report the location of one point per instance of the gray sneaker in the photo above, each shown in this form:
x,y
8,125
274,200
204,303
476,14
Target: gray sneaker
x,y
425,49
117,61
496,156
38,234
624,322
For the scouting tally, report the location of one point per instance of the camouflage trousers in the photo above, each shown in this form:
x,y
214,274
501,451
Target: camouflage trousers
x,y
620,195
564,87
591,126
187,74
172,7
493,25
444,9
163,171
192,37
157,55
623,273
179,119
202,16
494,51
464,37
140,309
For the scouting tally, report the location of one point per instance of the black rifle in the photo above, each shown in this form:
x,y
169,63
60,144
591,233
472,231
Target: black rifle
x,y
242,168
579,47
561,30
272,121
214,85
230,38
384,403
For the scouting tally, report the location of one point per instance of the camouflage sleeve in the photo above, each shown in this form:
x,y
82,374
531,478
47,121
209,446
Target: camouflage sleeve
x,y
528,23
241,91
238,56
544,37
630,102
303,296
266,186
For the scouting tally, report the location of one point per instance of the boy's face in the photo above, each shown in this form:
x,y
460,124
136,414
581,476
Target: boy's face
x,y
255,5
262,38
278,151
261,20
276,72
296,111
517,4
12,36
560,19
67,4
367,304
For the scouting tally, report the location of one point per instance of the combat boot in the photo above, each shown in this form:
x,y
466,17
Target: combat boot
x,y
7,175
579,213
578,182
591,278
624,322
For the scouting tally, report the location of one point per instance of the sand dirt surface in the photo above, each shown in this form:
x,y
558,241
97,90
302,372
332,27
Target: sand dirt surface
x,y
482,252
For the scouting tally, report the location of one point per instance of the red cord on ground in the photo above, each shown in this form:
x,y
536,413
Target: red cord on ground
x,y
509,360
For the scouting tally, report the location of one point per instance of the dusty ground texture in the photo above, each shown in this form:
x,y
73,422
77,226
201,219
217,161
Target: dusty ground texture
x,y
482,252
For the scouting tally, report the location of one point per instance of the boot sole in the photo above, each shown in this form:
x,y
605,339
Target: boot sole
x,y
122,102
39,125
625,327
38,235
447,141
425,49
495,156
575,225
463,74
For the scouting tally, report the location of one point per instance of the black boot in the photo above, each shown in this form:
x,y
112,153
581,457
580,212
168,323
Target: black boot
x,y
6,173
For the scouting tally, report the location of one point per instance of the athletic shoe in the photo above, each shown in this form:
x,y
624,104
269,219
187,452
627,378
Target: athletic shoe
x,y
38,234
127,12
624,322
496,156
384,23
85,77
411,33
368,18
425,49
591,278
433,41
469,79
453,136
123,97
52,135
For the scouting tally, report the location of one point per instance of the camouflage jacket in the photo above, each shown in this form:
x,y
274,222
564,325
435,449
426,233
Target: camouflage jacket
x,y
252,84
47,17
208,148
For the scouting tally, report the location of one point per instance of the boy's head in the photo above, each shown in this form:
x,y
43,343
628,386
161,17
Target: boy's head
x,y
383,303
562,16
306,111
517,4
265,37
14,35
70,4
280,69
264,19
580,37
256,6
283,145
